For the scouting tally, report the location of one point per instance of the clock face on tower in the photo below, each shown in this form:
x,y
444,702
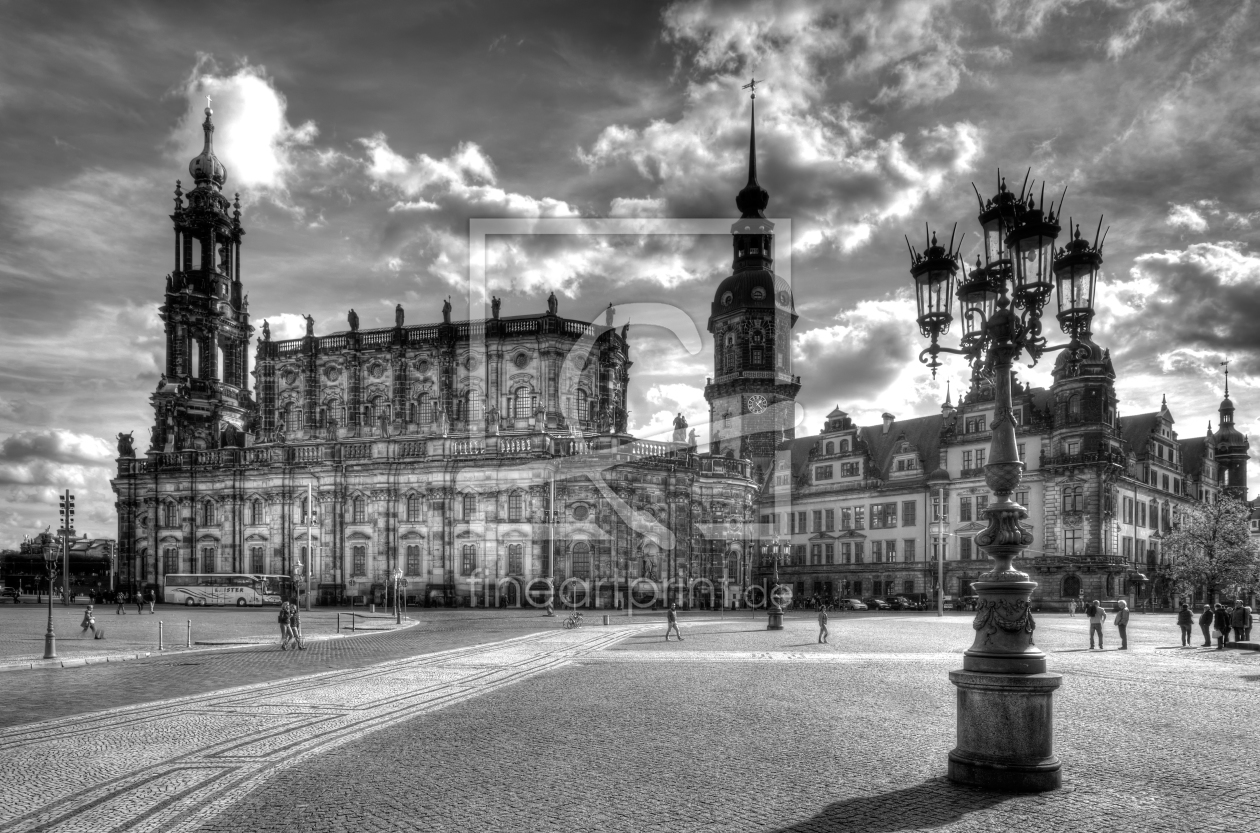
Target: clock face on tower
x,y
756,403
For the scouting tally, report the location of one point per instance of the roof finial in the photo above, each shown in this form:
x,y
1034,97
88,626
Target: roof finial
x,y
948,404
752,133
753,199
1225,364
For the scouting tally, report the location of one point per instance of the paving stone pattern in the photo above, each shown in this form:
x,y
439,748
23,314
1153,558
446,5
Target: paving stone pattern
x,y
168,765
612,729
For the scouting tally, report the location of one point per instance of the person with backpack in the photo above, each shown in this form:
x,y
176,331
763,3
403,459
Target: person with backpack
x,y
1122,623
1096,616
283,619
1205,624
1185,621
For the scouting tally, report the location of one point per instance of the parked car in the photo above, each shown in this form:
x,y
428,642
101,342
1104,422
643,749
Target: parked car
x,y
902,603
11,593
850,604
876,604
966,602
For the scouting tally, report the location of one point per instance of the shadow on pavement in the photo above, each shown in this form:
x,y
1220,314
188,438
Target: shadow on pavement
x,y
929,805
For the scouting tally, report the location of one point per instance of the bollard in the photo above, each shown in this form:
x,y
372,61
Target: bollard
x,y
189,643
352,621
373,609
605,618
161,646
338,623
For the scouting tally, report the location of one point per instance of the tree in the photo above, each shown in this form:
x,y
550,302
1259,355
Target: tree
x,y
1210,546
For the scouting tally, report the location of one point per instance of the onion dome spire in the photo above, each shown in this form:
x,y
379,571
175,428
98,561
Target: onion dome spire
x,y
752,201
206,168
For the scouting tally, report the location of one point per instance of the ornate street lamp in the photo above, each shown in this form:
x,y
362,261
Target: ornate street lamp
x,y
774,609
1005,724
398,575
50,638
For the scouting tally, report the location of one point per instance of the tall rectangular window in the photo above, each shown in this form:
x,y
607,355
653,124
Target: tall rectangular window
x,y
859,554
907,549
883,515
979,458
908,512
207,559
413,560
470,506
516,566
829,553
877,552
964,549
358,560
968,459
817,520
413,508
829,520
468,560
890,551
846,553
256,560
822,473
815,553
859,517
846,518
516,506
170,561
359,510
964,509
1072,542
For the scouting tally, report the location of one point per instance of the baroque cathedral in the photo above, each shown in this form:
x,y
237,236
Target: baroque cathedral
x,y
472,462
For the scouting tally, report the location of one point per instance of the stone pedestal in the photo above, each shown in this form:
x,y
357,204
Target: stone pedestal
x,y
1005,732
775,618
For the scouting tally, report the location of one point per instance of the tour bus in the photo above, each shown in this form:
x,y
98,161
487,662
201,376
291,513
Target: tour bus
x,y
226,589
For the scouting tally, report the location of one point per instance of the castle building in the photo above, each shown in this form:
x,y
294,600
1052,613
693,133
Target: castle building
x,y
483,461
871,511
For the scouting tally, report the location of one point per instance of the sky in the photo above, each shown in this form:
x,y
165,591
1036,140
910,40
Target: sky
x,y
364,138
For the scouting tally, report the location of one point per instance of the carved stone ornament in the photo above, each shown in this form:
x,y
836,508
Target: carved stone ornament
x,y
332,373
376,370
1010,615
289,375
421,365
1073,519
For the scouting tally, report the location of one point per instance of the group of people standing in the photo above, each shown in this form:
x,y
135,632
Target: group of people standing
x,y
290,626
1218,622
1097,615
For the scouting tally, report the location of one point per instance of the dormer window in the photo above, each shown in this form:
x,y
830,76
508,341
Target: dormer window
x,y
830,448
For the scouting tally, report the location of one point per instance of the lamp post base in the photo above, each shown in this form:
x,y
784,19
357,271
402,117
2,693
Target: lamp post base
x,y
1005,732
775,619
50,646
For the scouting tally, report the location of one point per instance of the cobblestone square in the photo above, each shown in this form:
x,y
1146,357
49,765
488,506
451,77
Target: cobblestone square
x,y
501,720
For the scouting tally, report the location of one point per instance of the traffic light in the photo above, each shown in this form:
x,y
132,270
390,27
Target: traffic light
x,y
67,513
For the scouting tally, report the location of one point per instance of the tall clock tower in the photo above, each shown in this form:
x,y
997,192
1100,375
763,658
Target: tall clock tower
x,y
752,397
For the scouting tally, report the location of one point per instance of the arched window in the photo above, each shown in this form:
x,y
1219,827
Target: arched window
x,y
1073,498
582,560
413,508
582,407
1071,587
523,402
844,446
368,413
516,566
256,560
732,355
1154,515
358,561
359,510
207,513
472,405
207,559
831,447
1074,408
470,506
516,506
468,561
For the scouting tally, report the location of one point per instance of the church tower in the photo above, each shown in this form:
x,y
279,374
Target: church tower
x,y
203,398
752,396
1232,450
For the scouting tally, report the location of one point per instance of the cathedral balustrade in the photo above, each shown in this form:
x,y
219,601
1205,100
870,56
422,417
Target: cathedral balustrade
x,y
288,348
337,342
356,451
1088,562
420,335
413,449
376,338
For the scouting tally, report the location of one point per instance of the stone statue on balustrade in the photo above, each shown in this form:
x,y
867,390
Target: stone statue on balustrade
x,y
125,448
443,420
691,439
680,428
553,305
492,420
398,315
310,326
353,319
495,303
266,331
446,310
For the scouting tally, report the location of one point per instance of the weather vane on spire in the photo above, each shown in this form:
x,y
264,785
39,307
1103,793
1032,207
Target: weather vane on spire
x,y
208,102
752,85
1225,364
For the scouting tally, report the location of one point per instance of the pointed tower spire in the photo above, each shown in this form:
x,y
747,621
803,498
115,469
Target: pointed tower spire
x,y
752,201
206,167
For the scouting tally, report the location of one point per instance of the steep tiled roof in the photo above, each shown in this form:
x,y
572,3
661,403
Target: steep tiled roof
x,y
1192,453
1136,429
924,433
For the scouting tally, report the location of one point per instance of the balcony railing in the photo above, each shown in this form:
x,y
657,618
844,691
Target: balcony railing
x,y
1083,459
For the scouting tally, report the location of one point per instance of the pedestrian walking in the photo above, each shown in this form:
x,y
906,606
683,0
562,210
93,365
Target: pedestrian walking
x,y
822,625
671,616
1250,621
1185,621
1205,624
138,598
1096,616
89,624
283,619
1220,626
1122,623
1072,607
1238,619
295,626
121,599
150,597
